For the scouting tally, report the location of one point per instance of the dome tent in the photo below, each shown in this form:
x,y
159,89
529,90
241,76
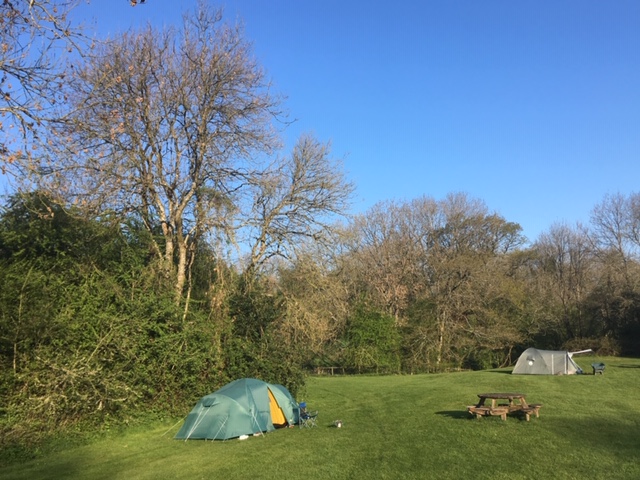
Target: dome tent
x,y
242,407
546,362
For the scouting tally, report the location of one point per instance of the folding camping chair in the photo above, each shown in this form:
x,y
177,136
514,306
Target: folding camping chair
x,y
307,419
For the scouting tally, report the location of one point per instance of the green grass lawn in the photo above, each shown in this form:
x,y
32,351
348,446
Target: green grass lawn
x,y
397,427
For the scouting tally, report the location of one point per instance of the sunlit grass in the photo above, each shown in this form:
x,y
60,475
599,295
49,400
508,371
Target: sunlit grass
x,y
398,427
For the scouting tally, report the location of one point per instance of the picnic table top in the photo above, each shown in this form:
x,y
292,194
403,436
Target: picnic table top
x,y
501,395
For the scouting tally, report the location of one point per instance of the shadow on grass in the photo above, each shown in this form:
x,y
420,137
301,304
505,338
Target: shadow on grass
x,y
626,366
617,437
463,415
456,414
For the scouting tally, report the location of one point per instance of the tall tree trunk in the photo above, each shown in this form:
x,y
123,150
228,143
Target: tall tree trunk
x,y
181,274
442,325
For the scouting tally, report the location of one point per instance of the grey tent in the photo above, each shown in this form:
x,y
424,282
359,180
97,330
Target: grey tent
x,y
546,362
242,407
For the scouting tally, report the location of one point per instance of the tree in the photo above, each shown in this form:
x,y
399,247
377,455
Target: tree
x,y
34,36
296,202
317,306
462,241
437,267
381,257
566,260
616,225
615,233
87,330
164,125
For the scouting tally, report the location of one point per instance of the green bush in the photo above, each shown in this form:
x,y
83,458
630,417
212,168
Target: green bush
x,y
373,342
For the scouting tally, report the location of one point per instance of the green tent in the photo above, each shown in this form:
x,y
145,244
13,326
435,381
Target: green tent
x,y
242,407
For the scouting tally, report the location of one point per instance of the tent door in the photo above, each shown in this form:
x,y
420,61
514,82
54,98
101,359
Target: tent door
x,y
277,415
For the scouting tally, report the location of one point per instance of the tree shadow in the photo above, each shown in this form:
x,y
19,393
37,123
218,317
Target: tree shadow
x,y
626,366
618,438
464,415
456,414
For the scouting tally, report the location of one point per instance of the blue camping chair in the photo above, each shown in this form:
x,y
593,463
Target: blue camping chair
x,y
306,418
598,368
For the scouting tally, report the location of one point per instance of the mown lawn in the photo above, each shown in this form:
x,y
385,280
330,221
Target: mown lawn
x,y
398,427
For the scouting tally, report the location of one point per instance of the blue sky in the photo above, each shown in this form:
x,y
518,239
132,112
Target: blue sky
x,y
532,106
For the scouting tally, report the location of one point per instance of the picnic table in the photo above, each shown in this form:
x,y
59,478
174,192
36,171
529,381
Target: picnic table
x,y
503,404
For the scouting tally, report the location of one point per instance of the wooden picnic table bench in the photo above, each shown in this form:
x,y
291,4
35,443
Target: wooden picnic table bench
x,y
486,411
516,403
532,409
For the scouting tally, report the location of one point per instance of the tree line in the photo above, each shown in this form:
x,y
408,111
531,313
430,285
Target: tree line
x,y
90,327
160,243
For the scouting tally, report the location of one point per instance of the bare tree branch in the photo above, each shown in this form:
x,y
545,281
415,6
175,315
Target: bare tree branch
x,y
35,36
296,201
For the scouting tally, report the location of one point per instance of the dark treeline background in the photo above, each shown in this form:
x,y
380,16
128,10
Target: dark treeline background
x,y
157,243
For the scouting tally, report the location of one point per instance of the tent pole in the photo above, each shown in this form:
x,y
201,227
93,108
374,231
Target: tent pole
x,y
255,420
195,424
221,425
173,426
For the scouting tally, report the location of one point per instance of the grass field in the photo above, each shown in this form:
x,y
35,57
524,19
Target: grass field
x,y
397,427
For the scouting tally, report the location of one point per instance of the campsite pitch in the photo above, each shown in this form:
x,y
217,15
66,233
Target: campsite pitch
x,y
396,427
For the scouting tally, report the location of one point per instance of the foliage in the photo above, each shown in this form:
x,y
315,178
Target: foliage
x,y
373,342
88,330
90,333
256,348
317,306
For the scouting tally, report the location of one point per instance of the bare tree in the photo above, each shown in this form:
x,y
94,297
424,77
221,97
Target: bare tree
x,y
163,125
610,222
34,37
566,259
634,219
382,257
615,225
317,302
296,201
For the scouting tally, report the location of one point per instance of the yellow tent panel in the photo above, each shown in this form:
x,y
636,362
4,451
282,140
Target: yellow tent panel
x,y
277,415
